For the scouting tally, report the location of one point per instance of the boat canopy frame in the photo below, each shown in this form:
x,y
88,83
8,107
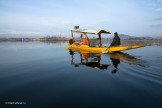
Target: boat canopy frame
x,y
85,32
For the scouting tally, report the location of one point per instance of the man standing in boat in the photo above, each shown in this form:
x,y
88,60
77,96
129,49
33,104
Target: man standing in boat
x,y
116,40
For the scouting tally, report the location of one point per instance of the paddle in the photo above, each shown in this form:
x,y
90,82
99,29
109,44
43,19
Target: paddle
x,y
105,51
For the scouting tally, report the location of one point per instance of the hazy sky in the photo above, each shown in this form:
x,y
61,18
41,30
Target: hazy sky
x,y
132,17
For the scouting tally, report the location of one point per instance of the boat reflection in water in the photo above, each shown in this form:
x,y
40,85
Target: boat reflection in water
x,y
94,60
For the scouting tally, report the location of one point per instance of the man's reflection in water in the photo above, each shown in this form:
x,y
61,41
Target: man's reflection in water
x,y
115,63
72,56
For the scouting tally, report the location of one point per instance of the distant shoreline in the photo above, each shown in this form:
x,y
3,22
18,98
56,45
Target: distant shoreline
x,y
50,39
34,39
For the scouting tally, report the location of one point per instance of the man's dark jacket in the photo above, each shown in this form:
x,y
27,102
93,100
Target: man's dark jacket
x,y
116,41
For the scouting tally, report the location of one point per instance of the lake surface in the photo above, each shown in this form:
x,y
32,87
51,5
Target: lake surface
x,y
39,74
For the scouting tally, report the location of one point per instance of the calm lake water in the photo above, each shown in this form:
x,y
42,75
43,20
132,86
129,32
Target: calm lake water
x,y
48,75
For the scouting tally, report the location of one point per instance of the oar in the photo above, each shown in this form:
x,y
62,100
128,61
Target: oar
x,y
105,51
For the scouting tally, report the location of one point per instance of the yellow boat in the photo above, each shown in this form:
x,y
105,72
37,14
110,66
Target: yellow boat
x,y
99,48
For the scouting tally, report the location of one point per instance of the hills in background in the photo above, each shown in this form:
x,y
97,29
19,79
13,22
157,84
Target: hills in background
x,y
124,36
128,37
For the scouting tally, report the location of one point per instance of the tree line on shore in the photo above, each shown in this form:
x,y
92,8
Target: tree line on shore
x,y
35,39
54,38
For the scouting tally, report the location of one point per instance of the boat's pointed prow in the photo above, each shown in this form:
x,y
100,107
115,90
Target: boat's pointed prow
x,y
67,43
121,48
137,46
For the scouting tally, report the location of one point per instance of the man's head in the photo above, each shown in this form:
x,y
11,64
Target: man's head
x,y
115,34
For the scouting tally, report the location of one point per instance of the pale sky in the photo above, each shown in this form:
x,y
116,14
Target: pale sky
x,y
131,17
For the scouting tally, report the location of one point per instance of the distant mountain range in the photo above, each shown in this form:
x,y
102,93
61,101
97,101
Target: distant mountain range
x,y
124,36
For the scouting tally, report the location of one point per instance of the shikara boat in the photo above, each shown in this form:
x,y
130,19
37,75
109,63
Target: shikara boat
x,y
99,48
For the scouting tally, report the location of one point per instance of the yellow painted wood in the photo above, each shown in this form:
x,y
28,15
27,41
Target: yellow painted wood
x,y
101,49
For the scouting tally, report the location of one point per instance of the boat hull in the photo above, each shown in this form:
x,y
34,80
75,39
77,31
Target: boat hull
x,y
86,48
